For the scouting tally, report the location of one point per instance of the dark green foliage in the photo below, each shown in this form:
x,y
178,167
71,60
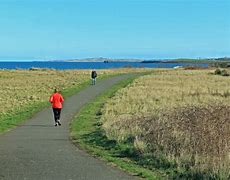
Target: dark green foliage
x,y
98,138
157,161
217,71
221,72
194,175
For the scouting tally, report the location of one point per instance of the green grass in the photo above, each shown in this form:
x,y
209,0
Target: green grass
x,y
13,118
86,131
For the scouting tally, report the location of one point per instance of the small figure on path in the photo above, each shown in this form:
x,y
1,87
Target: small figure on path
x,y
56,100
93,76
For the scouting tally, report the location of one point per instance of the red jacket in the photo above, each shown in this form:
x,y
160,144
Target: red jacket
x,y
56,99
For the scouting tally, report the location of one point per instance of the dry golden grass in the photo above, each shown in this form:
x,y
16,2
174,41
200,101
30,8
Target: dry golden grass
x,y
23,87
182,113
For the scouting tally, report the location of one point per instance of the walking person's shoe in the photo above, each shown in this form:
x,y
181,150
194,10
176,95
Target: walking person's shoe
x,y
56,124
59,123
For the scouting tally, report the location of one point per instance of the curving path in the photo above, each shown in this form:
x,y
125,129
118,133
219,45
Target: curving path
x,y
36,150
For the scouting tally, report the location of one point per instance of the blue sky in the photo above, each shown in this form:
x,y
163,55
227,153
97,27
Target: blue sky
x,y
63,29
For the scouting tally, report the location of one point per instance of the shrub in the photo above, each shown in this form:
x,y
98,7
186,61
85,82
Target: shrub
x,y
221,72
224,73
196,137
217,71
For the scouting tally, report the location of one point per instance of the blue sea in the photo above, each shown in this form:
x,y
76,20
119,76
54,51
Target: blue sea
x,y
89,65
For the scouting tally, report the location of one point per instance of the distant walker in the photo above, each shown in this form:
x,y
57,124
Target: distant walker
x,y
94,76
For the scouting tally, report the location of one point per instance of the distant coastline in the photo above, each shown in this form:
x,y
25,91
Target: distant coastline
x,y
103,60
113,60
179,60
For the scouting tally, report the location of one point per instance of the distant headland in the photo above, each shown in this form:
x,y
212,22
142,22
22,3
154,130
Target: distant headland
x,y
178,60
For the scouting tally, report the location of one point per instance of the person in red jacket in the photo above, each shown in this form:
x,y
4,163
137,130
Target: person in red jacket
x,y
56,100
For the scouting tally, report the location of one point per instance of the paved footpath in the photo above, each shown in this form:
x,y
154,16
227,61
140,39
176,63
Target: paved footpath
x,y
36,150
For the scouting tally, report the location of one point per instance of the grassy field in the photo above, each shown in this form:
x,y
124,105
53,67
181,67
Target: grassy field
x,y
177,121
24,92
171,123
87,133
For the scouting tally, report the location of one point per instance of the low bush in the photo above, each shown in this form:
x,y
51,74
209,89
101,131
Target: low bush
x,y
222,72
217,71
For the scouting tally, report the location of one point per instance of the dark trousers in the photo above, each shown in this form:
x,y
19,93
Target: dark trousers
x,y
57,113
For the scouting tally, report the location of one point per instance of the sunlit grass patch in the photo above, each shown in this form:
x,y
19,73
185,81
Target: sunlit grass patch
x,y
24,92
179,115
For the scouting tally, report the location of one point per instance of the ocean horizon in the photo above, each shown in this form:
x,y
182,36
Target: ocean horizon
x,y
62,65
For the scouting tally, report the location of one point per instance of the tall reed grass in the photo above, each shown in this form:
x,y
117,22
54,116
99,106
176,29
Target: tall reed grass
x,y
183,115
